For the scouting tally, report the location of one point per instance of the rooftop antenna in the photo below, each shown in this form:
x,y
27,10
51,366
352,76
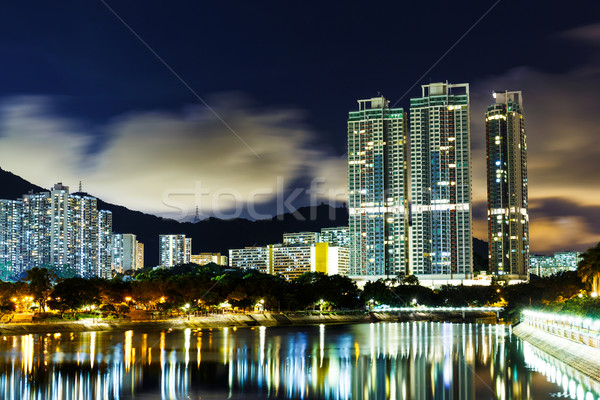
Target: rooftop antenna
x,y
80,187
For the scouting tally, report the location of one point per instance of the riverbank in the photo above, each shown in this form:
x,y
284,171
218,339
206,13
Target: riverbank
x,y
584,358
237,320
203,322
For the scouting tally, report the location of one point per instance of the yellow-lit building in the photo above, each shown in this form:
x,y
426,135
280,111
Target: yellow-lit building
x,y
139,255
207,258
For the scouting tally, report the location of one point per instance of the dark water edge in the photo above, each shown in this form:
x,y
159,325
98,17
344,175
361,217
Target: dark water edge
x,y
237,320
409,360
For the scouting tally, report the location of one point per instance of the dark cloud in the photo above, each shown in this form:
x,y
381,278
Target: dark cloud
x,y
170,162
559,207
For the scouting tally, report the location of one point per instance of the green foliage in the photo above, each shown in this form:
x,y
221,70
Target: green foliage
x,y
40,284
584,306
340,292
463,296
74,293
63,271
6,272
540,292
204,288
589,268
410,280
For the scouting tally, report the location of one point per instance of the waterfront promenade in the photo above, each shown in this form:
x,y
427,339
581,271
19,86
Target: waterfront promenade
x,y
563,339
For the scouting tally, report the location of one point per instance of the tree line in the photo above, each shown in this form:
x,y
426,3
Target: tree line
x,y
190,288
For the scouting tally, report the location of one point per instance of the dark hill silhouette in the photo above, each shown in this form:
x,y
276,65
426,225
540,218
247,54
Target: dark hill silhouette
x,y
213,234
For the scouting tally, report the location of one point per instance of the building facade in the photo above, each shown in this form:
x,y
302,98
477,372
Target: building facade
x,y
337,236
545,266
300,238
105,239
125,247
174,250
10,236
440,179
207,258
508,215
139,256
55,229
377,188
258,258
35,231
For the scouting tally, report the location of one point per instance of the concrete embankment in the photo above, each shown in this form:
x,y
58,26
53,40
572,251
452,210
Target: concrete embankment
x,y
204,322
584,358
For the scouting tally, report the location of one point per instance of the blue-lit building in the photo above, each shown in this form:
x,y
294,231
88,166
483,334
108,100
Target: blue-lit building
x,y
55,229
440,182
545,266
377,188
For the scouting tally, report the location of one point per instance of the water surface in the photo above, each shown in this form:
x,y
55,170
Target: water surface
x,y
411,360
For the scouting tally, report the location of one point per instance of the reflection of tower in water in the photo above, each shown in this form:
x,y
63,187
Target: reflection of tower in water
x,y
409,360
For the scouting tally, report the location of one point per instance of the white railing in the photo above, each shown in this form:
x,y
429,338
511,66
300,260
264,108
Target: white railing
x,y
582,330
437,309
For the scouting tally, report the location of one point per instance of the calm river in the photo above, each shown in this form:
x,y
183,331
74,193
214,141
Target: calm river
x,y
416,360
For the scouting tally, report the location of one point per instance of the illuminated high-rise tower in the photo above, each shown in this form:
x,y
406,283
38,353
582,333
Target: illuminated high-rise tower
x,y
377,188
55,229
10,236
35,230
174,250
105,244
84,231
508,217
440,179
60,234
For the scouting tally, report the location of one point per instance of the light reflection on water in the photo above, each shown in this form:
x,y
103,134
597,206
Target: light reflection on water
x,y
418,360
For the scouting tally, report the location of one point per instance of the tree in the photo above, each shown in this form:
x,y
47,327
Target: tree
x,y
589,268
410,280
40,284
74,293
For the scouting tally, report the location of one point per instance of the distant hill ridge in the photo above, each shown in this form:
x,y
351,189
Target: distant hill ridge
x,y
211,234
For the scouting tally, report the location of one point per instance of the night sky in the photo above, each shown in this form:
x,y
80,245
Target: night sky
x,y
161,106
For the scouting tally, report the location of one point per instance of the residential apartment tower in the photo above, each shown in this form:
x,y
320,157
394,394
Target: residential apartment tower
x,y
508,216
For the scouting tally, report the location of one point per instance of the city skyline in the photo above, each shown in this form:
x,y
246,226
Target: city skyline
x,y
97,105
